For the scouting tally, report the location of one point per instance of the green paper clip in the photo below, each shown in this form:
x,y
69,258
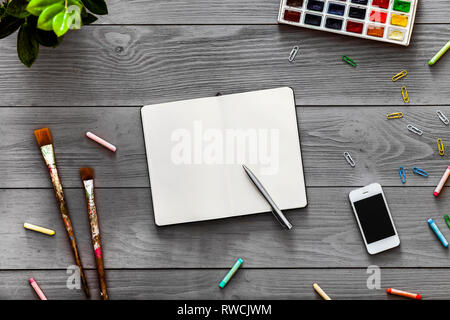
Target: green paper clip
x,y
349,61
447,220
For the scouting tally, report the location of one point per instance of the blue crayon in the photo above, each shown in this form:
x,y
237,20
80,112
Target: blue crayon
x,y
438,232
233,270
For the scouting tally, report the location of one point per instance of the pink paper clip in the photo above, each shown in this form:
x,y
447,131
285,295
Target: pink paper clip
x,y
99,140
37,289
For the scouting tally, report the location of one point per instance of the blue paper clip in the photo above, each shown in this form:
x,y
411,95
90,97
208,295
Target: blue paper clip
x,y
402,173
420,172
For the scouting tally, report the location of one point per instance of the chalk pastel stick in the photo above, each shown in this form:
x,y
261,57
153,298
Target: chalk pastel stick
x,y
321,292
439,54
442,182
33,227
404,293
438,232
101,141
233,270
38,290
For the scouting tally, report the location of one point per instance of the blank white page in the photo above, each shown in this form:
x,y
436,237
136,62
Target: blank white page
x,y
196,148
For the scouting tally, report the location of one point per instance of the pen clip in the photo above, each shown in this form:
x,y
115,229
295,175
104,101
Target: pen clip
x,y
281,218
275,210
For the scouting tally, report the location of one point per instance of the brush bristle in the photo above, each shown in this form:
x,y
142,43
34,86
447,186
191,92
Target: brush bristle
x,y
87,173
43,136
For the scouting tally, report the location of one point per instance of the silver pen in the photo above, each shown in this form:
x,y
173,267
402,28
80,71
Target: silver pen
x,y
275,210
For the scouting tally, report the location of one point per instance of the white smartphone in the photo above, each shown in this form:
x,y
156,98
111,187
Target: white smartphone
x,y
374,219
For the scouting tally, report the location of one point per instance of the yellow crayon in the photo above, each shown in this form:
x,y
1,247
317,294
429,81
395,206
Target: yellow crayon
x,y
321,292
30,226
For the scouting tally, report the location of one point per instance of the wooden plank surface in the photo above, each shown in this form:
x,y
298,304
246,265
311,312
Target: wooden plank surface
x,y
379,146
228,12
137,65
246,284
153,51
325,233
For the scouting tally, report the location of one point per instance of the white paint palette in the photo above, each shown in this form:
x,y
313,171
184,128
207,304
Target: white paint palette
x,y
382,20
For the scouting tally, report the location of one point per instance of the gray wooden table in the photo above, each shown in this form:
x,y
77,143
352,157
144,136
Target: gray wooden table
x,y
147,52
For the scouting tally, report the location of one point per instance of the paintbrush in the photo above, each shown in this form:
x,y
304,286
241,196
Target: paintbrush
x,y
45,141
87,175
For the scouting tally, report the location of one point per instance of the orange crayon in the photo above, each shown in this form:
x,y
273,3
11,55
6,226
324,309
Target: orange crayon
x,y
404,294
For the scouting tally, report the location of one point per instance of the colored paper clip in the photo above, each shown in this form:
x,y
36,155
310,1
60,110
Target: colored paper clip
x,y
447,220
420,172
349,61
440,147
294,52
349,159
395,115
399,75
414,129
442,117
402,173
405,95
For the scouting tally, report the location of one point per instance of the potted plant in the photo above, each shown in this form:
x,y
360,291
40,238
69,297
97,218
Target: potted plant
x,y
45,22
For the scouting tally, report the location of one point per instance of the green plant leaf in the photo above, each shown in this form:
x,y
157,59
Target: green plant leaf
x,y
32,21
61,23
48,38
88,18
96,6
45,21
17,8
75,3
9,25
2,11
37,6
27,45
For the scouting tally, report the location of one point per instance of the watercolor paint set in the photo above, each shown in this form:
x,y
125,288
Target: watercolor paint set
x,y
383,20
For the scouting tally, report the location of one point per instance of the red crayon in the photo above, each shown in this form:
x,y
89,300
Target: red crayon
x,y
404,294
441,183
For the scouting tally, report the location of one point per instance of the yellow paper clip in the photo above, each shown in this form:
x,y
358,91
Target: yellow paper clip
x,y
405,94
440,147
395,115
399,75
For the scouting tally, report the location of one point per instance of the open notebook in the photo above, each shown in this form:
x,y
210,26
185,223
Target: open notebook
x,y
196,148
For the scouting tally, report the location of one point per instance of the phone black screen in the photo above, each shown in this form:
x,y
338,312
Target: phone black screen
x,y
374,218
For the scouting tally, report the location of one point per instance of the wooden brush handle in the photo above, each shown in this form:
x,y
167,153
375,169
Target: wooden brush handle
x,y
68,224
96,243
101,277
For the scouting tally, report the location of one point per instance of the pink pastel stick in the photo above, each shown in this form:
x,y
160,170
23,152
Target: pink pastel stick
x,y
99,140
442,182
37,289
